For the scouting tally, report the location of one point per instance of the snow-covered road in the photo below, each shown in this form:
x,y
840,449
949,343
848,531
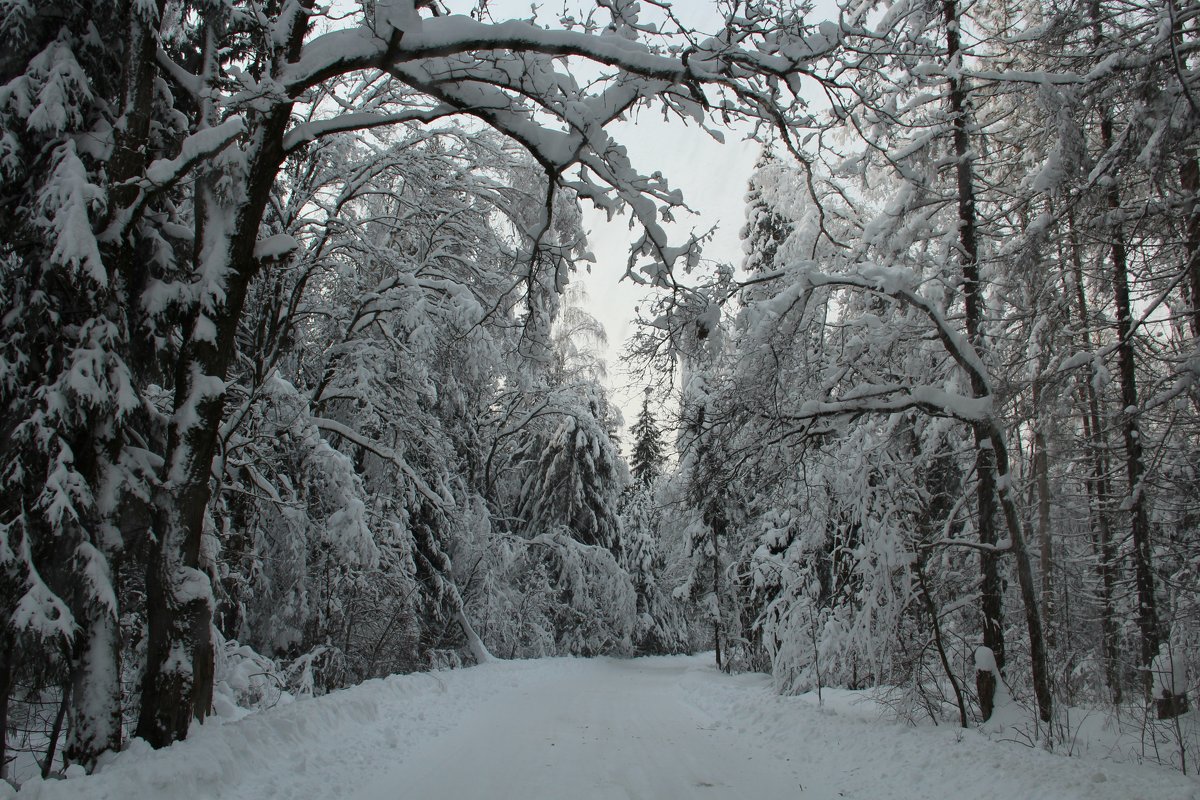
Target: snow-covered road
x,y
592,729
602,729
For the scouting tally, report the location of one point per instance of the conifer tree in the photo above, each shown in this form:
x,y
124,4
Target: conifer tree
x,y
646,464
766,229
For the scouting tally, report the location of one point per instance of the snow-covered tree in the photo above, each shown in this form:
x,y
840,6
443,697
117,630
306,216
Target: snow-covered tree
x,y
145,146
646,461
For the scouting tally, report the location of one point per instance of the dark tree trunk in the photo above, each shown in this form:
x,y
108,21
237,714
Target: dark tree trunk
x,y
1135,470
1041,475
1189,181
1099,490
1038,657
716,524
56,731
1041,471
994,479
991,601
939,643
92,703
178,592
7,668
94,709
985,687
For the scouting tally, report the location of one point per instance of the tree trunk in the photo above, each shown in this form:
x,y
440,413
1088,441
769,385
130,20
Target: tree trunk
x,y
478,648
94,706
1099,491
994,478
990,595
56,731
1135,470
1041,472
95,689
1189,181
985,687
716,524
1039,660
7,668
991,601
178,682
931,609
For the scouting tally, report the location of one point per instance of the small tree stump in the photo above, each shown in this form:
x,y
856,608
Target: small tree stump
x,y
986,677
1169,670
1171,705
985,685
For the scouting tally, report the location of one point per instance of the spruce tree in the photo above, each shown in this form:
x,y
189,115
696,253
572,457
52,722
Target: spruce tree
x,y
647,449
766,229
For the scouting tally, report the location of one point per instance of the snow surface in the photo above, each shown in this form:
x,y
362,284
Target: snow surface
x,y
597,728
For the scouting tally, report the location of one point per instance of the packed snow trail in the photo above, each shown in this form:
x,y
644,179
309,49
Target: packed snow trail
x,y
600,729
669,728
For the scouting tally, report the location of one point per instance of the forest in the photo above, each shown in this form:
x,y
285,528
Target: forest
x,y
295,391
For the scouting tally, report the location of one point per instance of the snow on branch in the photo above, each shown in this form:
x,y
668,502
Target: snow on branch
x,y
339,52
383,452
309,131
901,285
166,172
897,398
204,143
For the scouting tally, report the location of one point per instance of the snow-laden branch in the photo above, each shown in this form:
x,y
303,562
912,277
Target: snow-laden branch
x,y
204,143
164,173
309,131
901,284
352,436
339,52
893,399
1004,546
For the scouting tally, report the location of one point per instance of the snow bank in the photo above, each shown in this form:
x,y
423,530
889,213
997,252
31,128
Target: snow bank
x,y
321,747
850,750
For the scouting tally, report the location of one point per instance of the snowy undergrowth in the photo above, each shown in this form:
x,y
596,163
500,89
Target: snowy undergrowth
x,y
851,749
320,747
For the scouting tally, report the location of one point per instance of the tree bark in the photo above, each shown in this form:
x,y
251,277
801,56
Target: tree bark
x,y
931,609
177,685
1098,488
1038,657
716,524
1135,470
994,478
7,668
94,705
94,710
178,682
1189,181
1041,472
56,731
991,600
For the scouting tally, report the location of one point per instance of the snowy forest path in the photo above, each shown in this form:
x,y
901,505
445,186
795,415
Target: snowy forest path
x,y
599,728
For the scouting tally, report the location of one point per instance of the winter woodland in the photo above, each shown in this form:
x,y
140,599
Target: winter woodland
x,y
295,392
